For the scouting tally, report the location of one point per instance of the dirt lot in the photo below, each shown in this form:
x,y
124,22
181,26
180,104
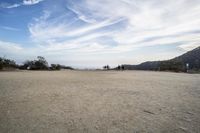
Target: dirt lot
x,y
99,102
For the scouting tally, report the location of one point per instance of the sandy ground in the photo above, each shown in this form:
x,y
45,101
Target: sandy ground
x,y
99,102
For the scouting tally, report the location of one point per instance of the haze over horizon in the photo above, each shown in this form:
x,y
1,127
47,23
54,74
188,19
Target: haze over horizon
x,y
93,33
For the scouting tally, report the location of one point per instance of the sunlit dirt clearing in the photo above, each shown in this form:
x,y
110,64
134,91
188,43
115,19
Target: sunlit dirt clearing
x,y
99,101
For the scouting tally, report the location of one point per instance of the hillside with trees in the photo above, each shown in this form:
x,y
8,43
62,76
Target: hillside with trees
x,y
177,64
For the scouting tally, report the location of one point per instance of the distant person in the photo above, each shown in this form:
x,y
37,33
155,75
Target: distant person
x,y
123,68
119,67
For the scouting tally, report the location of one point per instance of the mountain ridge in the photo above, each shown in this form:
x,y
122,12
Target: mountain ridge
x,y
179,63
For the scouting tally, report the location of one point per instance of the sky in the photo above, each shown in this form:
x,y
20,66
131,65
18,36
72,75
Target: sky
x,y
93,33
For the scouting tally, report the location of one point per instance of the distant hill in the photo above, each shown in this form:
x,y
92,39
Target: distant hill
x,y
192,57
176,64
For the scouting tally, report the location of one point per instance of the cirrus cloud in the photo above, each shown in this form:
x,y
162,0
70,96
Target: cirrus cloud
x,y
143,20
25,3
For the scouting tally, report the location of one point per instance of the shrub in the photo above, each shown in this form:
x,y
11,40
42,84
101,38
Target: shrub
x,y
55,67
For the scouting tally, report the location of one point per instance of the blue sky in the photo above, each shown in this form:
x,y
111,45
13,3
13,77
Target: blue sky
x,y
92,33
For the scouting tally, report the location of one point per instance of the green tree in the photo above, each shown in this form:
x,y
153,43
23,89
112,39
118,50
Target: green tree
x,y
55,66
6,63
1,63
41,63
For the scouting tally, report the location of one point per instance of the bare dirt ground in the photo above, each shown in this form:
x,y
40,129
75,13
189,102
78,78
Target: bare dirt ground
x,y
99,102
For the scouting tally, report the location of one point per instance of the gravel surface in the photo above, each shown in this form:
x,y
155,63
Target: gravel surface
x,y
99,102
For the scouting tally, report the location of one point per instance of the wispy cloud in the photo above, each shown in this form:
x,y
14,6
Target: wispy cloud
x,y
151,19
144,20
43,28
9,28
8,6
31,2
25,3
189,46
11,47
13,6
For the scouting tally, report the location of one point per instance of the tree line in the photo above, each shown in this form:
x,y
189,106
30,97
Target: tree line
x,y
38,64
7,63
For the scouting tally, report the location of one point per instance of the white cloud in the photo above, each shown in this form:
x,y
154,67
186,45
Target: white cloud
x,y
148,19
11,47
25,2
31,2
13,6
82,16
8,6
9,28
157,19
42,29
189,46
